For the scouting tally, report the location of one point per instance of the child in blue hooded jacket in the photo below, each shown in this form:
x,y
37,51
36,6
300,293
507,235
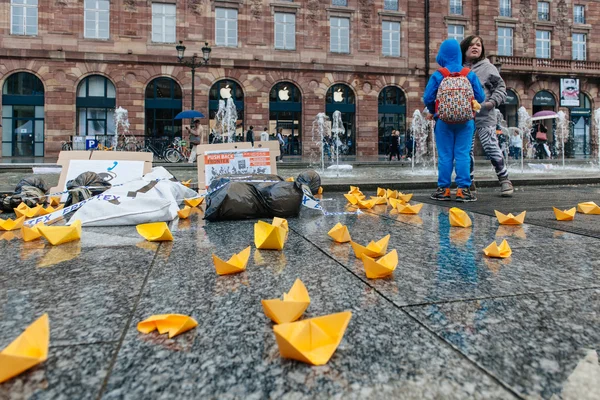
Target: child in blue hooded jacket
x,y
453,140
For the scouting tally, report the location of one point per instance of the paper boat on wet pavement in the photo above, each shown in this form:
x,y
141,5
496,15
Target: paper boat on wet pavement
x,y
10,224
193,202
155,232
185,212
33,233
173,324
566,215
459,218
502,251
373,249
29,349
268,236
340,233
589,207
510,219
237,263
28,212
314,340
293,305
408,209
61,234
381,268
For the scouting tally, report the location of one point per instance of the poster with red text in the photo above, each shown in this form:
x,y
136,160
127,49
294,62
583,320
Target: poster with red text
x,y
236,162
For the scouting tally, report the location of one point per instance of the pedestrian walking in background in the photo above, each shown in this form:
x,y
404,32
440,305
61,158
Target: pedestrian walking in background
x,y
264,135
281,141
395,146
196,137
516,145
250,135
473,56
449,95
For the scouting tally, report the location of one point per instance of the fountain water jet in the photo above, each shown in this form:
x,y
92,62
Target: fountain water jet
x,y
525,129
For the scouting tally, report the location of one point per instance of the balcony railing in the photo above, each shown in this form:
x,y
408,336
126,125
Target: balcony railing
x,y
528,64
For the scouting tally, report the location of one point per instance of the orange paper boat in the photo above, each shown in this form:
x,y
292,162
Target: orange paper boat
x,y
340,233
54,201
459,218
187,183
155,232
394,202
29,349
50,209
373,249
174,324
313,340
365,204
351,198
195,202
185,212
293,305
392,194
237,263
408,209
11,225
381,192
268,236
510,219
61,234
30,234
320,191
290,179
354,190
589,207
28,212
381,268
379,200
405,197
566,215
502,251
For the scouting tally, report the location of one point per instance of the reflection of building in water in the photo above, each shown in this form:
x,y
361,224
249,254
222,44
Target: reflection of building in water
x,y
281,62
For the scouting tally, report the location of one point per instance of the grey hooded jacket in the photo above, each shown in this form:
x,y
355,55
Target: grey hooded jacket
x,y
494,88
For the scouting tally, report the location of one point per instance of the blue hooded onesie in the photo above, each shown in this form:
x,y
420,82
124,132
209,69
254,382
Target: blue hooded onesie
x,y
453,141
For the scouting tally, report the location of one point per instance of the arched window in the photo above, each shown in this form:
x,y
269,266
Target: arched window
x,y
581,117
163,103
96,101
23,116
391,116
224,90
285,111
509,108
340,97
543,101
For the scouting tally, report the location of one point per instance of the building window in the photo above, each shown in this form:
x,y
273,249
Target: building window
x,y
579,46
579,14
456,32
505,41
390,41
543,11
96,101
340,97
285,31
163,23
219,96
343,3
456,7
391,117
391,5
285,112
505,8
96,19
542,44
340,35
23,116
162,104
24,17
226,27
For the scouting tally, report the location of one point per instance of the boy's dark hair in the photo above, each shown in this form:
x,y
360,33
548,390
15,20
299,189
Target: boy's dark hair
x,y
464,46
265,129
251,127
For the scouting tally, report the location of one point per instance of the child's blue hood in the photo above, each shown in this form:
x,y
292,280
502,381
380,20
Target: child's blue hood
x,y
449,54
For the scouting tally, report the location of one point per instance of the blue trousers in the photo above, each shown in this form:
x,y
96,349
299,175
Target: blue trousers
x,y
454,152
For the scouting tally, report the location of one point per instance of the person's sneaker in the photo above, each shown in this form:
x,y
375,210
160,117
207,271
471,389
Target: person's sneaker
x,y
506,188
441,194
473,187
464,195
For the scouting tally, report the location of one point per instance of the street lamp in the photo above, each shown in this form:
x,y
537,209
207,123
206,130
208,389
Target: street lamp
x,y
194,62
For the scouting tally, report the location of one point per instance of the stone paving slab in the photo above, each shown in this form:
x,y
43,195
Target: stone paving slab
x,y
544,346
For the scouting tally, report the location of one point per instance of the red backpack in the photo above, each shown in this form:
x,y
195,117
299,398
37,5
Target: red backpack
x,y
454,100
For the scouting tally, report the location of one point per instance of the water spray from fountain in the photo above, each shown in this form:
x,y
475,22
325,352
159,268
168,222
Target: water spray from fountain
x,y
525,129
320,132
230,120
597,121
219,122
337,131
419,127
562,131
121,125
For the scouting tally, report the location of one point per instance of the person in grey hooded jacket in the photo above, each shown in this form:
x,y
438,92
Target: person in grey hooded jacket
x,y
474,58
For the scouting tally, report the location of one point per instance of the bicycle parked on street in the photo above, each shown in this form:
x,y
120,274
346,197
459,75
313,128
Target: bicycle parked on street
x,y
179,152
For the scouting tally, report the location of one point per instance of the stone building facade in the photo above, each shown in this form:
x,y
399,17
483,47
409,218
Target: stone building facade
x,y
78,77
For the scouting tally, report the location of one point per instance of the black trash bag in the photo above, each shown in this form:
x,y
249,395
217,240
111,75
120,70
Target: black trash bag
x,y
232,199
311,179
31,191
86,185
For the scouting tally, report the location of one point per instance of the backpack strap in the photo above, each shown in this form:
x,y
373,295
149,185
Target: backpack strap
x,y
465,71
444,71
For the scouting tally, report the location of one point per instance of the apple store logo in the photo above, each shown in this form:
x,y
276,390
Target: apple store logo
x,y
284,94
338,96
225,92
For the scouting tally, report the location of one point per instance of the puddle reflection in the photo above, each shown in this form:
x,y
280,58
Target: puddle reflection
x,y
274,260
456,254
511,230
226,284
496,264
59,254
